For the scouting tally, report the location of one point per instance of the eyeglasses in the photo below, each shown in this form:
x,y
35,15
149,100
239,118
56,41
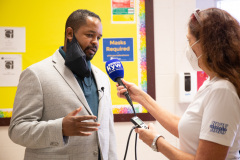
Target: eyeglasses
x,y
196,16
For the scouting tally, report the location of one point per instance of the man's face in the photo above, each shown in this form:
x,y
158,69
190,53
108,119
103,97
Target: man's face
x,y
88,36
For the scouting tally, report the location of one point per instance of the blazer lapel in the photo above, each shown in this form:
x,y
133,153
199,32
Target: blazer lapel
x,y
100,83
67,75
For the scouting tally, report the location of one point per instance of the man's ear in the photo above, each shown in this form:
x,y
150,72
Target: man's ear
x,y
69,34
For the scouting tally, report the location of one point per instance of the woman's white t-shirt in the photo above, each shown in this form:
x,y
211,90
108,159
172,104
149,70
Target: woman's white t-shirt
x,y
214,115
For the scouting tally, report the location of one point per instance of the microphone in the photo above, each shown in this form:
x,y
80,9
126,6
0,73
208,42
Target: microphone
x,y
102,90
115,71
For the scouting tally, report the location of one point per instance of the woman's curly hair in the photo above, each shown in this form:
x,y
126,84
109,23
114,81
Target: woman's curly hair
x,y
219,35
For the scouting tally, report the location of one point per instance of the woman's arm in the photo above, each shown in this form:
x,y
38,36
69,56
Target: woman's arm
x,y
168,120
206,150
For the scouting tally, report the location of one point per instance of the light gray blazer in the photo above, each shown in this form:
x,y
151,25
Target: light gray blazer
x,y
46,93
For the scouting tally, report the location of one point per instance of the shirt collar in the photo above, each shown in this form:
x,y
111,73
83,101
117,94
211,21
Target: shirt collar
x,y
62,52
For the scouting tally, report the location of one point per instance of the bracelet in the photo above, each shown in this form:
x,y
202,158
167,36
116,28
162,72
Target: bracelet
x,y
154,143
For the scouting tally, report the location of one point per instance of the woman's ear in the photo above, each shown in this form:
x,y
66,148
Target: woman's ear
x,y
69,34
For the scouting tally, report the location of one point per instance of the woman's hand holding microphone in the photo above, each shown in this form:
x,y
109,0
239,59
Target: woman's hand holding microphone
x,y
134,91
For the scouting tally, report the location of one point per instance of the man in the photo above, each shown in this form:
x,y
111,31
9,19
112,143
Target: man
x,y
62,109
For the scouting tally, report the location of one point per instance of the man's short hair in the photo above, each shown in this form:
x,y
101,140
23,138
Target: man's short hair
x,y
78,18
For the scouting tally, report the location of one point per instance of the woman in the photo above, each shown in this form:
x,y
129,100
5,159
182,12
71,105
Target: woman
x,y
210,127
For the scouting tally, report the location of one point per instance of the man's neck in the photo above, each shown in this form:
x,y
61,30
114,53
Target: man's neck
x,y
65,48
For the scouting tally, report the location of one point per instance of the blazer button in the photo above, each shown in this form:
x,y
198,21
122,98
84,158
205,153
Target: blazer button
x,y
95,153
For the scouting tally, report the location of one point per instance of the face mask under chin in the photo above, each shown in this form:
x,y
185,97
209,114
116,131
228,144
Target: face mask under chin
x,y
76,59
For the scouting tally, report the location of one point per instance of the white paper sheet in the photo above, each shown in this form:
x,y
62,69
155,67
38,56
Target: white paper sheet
x,y
12,39
10,69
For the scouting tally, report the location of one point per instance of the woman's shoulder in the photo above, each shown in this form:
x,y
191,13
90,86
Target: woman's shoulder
x,y
221,84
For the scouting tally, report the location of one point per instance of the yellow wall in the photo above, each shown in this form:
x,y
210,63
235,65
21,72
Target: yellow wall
x,y
45,21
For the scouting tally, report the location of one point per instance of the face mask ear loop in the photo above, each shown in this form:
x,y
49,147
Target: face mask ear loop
x,y
199,56
195,43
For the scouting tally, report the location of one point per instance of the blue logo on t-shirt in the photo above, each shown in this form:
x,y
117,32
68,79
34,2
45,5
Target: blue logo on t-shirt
x,y
217,127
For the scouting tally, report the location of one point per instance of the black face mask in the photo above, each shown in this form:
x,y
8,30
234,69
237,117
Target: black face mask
x,y
75,59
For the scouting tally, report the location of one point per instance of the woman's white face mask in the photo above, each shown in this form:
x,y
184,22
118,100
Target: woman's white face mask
x,y
192,58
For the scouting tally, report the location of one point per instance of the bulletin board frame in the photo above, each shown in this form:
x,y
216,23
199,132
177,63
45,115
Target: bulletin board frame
x,y
150,60
5,121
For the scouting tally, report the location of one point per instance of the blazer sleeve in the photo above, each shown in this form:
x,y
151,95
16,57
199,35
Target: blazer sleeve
x,y
26,127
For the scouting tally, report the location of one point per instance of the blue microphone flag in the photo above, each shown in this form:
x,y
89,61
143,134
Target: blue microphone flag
x,y
114,69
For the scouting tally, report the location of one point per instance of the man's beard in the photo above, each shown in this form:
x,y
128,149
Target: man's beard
x,y
90,57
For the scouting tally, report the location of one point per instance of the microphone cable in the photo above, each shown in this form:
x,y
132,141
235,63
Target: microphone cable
x,y
125,155
136,146
136,133
134,112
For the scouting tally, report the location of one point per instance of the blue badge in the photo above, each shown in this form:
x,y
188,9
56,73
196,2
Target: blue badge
x,y
217,127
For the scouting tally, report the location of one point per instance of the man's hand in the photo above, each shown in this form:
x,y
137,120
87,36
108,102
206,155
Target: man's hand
x,y
73,125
